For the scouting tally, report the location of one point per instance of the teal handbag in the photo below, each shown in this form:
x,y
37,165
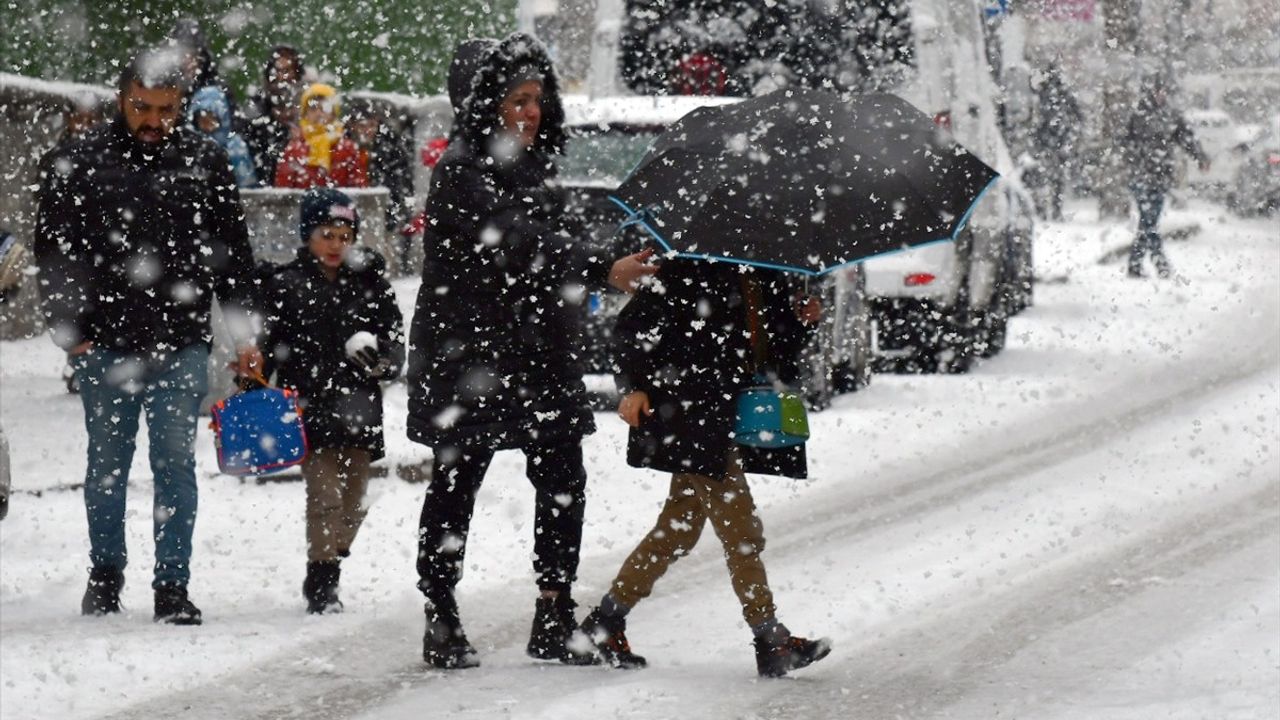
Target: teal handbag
x,y
770,419
766,417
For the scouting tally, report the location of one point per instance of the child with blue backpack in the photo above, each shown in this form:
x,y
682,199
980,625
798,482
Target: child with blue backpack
x,y
333,334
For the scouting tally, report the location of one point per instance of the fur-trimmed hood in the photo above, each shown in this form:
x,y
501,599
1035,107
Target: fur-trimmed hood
x,y
478,79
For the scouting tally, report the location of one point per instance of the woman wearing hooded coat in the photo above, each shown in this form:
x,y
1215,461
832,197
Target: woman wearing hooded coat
x,y
495,358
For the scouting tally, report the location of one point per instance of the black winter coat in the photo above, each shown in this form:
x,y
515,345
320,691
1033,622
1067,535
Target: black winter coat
x,y
133,240
308,321
389,167
1155,132
495,349
686,342
266,138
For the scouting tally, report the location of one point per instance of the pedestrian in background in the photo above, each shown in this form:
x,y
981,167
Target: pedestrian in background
x,y
1156,130
209,113
333,335
319,154
272,112
1058,123
199,68
139,226
385,154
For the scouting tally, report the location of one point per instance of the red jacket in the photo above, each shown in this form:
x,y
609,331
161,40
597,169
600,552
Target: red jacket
x,y
347,167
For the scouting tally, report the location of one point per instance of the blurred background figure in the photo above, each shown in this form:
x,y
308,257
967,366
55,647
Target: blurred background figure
x,y
385,154
81,116
210,114
198,65
1058,124
1156,129
273,109
319,154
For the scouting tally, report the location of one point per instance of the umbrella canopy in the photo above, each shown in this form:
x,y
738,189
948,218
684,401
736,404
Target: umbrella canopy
x,y
804,181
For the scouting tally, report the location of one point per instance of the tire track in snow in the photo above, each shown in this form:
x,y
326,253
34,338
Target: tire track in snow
x,y
349,674
919,670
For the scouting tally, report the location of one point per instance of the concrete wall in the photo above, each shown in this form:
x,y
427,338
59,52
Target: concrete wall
x,y
30,121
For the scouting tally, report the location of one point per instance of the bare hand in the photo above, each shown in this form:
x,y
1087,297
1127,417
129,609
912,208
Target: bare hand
x,y
808,309
632,406
248,362
81,349
627,271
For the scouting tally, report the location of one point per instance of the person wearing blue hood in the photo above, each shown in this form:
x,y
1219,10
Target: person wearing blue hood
x,y
210,114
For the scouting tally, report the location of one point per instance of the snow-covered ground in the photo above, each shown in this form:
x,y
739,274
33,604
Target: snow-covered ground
x,y
1087,526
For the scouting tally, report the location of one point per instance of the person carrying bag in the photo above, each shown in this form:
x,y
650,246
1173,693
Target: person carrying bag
x,y
685,354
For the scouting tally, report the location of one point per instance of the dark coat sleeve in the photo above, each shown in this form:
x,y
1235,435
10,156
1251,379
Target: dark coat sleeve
x,y
390,325
235,275
640,327
1183,135
63,253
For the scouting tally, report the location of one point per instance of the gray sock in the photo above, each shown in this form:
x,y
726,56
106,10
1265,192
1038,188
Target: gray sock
x,y
610,607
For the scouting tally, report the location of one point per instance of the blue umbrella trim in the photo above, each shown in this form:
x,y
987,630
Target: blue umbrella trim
x,y
637,217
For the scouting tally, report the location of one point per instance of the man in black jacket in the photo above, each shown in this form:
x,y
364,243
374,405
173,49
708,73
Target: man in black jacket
x,y
139,225
1156,129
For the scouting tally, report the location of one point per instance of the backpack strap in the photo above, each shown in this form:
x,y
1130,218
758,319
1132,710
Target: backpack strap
x,y
754,301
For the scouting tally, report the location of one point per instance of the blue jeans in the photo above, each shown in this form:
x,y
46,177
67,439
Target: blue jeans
x,y
1150,202
115,388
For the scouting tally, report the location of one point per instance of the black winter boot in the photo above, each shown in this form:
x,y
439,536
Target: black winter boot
x,y
444,645
321,587
102,594
553,625
174,607
777,658
608,638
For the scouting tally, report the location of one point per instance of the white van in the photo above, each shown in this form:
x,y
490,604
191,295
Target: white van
x,y
937,308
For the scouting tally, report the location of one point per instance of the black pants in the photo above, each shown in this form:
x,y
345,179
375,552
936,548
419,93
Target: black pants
x,y
1150,201
559,480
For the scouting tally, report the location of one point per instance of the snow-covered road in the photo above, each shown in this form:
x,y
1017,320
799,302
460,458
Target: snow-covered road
x,y
1087,526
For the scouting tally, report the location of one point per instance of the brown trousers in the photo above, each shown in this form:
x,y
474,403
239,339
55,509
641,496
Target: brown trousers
x,y
692,501
336,482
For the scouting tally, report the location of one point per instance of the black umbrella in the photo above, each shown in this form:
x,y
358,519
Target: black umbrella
x,y
804,181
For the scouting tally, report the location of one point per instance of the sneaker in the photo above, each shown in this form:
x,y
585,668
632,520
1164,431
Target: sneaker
x,y
102,594
775,659
444,644
175,608
553,625
608,639
321,587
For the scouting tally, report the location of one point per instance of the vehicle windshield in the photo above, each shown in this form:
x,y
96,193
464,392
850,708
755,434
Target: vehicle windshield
x,y
604,157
